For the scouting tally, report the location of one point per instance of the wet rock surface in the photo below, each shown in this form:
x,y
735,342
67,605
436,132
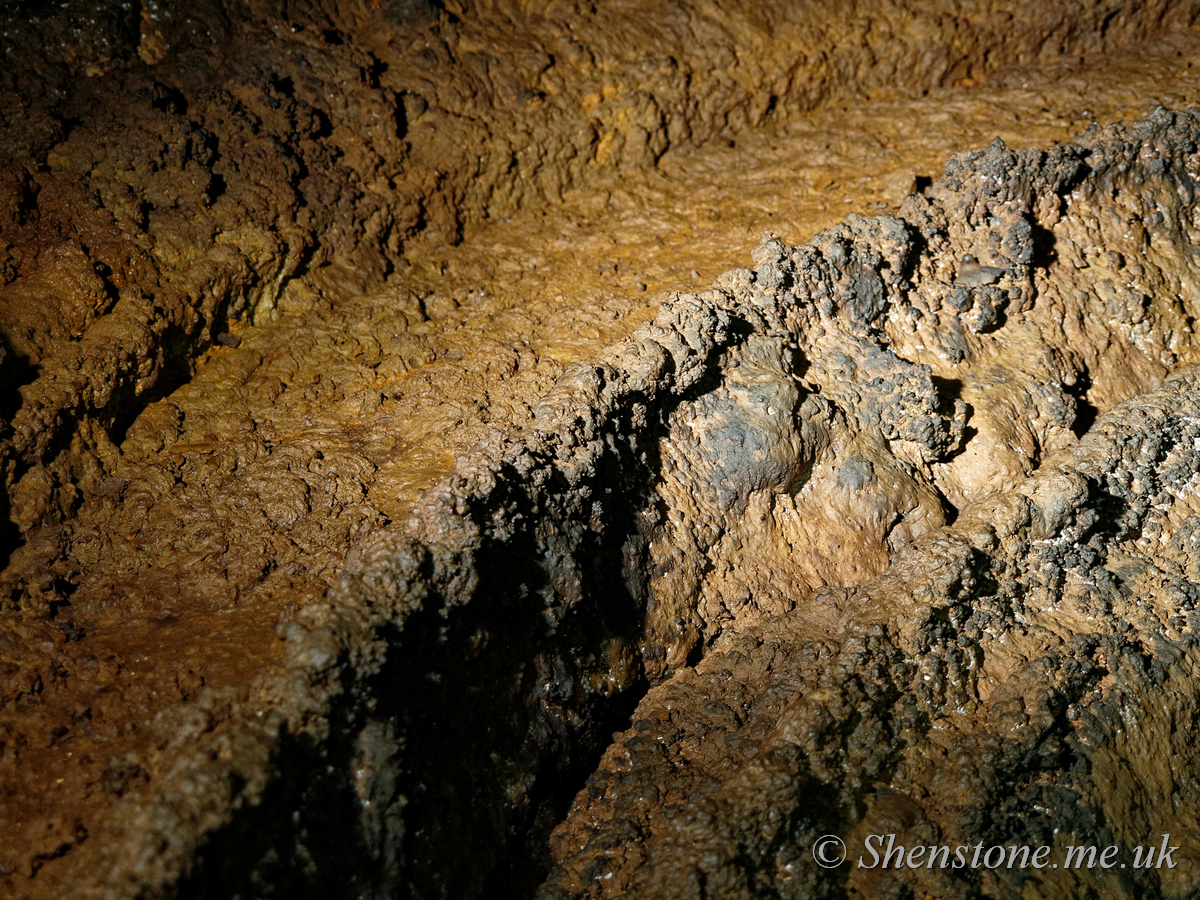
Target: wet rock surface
x,y
245,343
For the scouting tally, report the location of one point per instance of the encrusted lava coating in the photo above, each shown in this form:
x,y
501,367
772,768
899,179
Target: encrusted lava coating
x,y
706,512
1023,676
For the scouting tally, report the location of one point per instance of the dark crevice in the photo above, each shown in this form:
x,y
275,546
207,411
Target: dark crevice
x,y
178,352
10,533
372,73
1085,412
165,98
16,371
1043,238
216,187
301,838
324,127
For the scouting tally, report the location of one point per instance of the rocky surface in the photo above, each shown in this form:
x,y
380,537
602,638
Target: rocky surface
x,y
716,469
982,691
211,412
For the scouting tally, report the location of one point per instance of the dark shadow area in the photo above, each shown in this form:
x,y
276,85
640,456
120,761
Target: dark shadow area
x,y
166,98
302,839
500,692
1044,254
506,704
1085,412
176,370
10,534
15,371
948,391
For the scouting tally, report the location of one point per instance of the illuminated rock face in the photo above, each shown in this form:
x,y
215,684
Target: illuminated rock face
x,y
981,691
724,485
827,531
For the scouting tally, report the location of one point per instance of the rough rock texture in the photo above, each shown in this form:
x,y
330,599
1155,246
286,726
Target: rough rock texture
x,y
982,690
919,392
673,478
183,714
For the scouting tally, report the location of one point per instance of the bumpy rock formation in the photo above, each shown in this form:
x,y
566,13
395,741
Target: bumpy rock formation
x,y
983,690
988,688
766,499
798,425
